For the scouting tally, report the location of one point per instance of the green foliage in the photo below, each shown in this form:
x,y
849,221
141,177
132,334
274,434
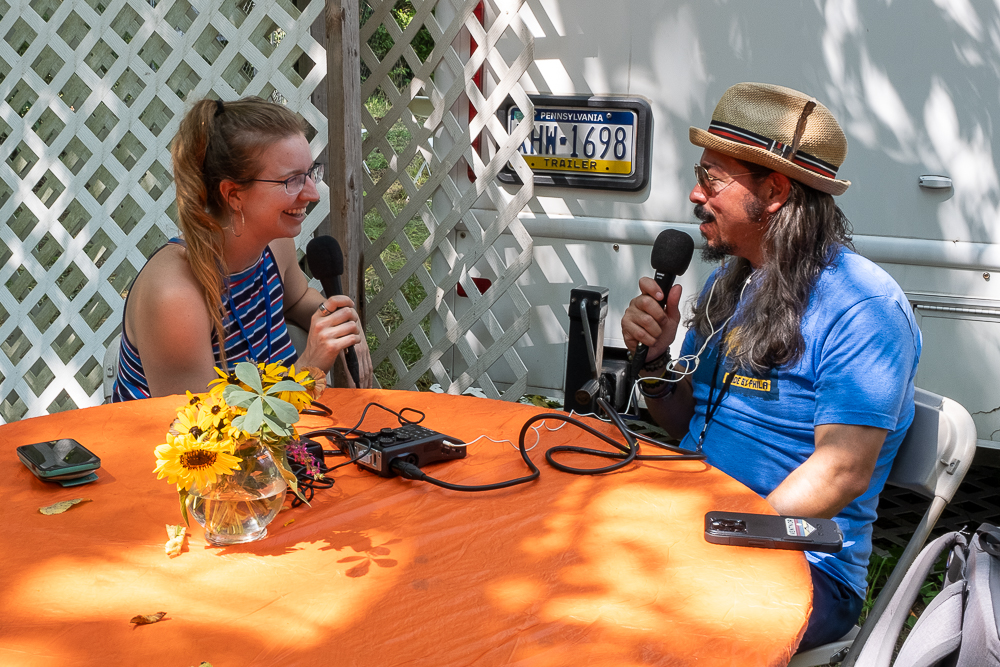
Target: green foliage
x,y
393,256
540,401
263,408
381,42
378,106
398,137
881,566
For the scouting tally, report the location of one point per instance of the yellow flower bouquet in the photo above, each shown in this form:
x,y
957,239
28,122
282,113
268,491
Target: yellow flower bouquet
x,y
227,450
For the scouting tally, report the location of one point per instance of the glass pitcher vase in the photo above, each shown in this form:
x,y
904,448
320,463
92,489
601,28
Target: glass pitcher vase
x,y
237,508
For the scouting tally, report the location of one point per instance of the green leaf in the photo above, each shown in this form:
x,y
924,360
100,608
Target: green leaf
x,y
276,427
254,417
283,410
285,385
182,495
241,398
249,375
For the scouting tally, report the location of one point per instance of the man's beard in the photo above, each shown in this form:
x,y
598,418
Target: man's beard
x,y
712,253
755,212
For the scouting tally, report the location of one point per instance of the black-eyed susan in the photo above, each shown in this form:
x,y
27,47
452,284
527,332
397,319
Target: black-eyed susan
x,y
189,462
219,384
273,373
192,421
300,399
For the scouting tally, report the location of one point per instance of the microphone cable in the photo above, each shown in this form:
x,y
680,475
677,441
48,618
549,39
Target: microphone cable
x,y
307,483
627,454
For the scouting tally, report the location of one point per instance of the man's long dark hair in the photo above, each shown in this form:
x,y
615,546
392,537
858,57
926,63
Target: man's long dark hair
x,y
803,237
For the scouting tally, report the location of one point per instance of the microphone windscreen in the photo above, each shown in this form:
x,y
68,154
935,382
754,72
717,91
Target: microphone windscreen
x,y
672,252
325,257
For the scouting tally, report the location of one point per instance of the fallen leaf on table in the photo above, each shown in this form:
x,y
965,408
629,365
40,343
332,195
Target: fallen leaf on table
x,y
176,542
148,618
59,508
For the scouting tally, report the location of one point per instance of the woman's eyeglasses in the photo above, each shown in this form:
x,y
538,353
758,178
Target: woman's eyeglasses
x,y
294,184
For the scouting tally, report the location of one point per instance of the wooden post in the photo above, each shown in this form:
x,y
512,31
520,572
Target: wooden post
x,y
344,117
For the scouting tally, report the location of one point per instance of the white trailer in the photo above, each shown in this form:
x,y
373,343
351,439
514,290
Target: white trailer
x,y
915,86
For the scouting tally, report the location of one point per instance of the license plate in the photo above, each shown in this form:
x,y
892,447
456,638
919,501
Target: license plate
x,y
587,140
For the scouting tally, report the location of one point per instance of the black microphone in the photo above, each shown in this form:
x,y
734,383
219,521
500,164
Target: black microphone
x,y
671,256
326,261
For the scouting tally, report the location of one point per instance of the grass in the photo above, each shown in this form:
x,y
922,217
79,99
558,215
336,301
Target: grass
x,y
880,567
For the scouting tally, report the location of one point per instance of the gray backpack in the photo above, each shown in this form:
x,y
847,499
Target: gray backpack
x,y
959,628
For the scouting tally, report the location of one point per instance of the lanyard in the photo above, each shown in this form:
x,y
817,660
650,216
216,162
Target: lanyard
x,y
713,408
251,352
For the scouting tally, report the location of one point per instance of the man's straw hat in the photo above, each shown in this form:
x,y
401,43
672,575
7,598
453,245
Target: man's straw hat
x,y
781,129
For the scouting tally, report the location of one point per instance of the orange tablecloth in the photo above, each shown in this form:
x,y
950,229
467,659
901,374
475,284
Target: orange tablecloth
x,y
567,570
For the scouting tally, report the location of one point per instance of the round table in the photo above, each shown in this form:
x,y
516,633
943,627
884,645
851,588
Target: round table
x,y
565,570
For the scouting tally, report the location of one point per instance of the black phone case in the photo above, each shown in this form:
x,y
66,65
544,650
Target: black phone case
x,y
773,532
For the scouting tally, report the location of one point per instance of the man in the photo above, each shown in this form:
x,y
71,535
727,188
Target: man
x,y
796,376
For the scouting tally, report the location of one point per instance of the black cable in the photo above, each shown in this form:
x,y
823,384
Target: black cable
x,y
317,408
335,435
627,454
408,470
308,484
411,471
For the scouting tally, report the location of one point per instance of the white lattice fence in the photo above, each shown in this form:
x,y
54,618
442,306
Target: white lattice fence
x,y
91,93
415,216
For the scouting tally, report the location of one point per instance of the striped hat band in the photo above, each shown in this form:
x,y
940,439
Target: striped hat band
x,y
801,158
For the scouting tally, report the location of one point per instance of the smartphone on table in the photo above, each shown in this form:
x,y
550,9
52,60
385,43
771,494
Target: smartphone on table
x,y
773,532
64,461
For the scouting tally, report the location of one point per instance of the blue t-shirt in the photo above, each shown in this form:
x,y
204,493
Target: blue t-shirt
x,y
862,345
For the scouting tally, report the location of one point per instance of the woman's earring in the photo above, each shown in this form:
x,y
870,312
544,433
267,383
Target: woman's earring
x,y
242,226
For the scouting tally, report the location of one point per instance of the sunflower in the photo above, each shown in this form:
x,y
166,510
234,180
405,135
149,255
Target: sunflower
x,y
189,462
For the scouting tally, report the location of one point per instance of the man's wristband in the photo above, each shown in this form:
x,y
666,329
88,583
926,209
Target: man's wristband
x,y
658,364
657,388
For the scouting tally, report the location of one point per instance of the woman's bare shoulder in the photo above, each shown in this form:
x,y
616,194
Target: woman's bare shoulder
x,y
167,275
165,295
167,320
285,253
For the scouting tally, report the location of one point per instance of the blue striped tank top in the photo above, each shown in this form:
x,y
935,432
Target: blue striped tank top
x,y
252,317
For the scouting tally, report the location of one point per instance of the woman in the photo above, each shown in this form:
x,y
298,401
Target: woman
x,y
222,293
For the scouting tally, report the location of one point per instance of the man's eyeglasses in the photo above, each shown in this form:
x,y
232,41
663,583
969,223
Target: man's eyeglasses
x,y
712,185
294,184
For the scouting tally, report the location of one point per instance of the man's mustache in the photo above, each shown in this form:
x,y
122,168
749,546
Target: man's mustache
x,y
702,214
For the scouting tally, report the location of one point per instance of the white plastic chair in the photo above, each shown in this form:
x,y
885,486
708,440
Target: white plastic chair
x,y
932,462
